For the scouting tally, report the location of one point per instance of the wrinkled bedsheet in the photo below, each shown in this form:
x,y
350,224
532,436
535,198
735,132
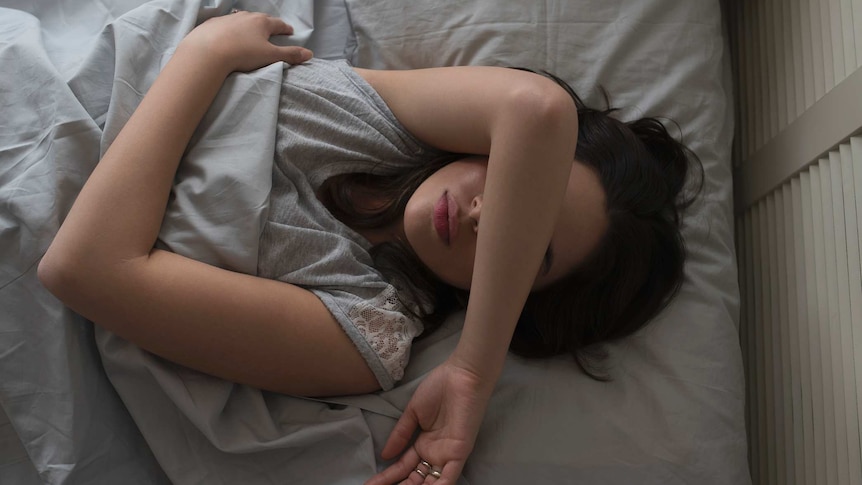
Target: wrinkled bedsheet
x,y
72,72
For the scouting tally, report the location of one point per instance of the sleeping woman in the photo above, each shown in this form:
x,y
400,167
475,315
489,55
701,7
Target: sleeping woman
x,y
556,225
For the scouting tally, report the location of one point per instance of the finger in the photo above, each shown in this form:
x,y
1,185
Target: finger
x,y
293,55
400,436
450,473
279,27
400,470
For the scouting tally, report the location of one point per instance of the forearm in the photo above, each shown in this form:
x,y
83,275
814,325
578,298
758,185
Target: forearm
x,y
530,160
117,215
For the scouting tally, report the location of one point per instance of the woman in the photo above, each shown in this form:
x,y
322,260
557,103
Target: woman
x,y
545,222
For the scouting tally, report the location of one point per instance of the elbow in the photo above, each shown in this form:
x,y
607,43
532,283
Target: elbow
x,y
54,274
543,106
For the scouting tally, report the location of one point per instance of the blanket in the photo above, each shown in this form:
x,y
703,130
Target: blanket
x,y
201,429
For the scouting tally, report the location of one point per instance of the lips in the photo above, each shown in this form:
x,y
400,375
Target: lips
x,y
446,218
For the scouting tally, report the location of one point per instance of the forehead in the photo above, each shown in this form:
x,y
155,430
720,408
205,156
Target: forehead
x,y
581,224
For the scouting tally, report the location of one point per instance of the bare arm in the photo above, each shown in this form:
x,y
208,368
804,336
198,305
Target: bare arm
x,y
527,125
102,263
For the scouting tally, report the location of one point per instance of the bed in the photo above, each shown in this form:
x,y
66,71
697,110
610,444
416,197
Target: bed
x,y
80,407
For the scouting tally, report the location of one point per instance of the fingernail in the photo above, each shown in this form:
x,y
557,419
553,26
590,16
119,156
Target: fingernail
x,y
307,54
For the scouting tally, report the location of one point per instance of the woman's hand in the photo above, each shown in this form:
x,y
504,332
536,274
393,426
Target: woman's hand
x,y
240,42
448,408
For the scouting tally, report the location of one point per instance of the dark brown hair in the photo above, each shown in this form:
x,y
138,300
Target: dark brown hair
x,y
633,273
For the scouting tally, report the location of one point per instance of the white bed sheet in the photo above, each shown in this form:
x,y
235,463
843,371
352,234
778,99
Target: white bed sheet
x,y
674,413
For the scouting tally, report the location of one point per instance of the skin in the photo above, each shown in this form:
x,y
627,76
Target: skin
x,y
280,337
581,224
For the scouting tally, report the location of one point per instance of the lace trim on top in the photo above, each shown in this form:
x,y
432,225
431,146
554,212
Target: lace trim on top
x,y
387,330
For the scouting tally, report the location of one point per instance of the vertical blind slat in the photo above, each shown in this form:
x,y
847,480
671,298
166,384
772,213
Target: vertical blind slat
x,y
849,422
853,284
752,343
833,319
767,413
795,36
856,161
815,366
806,37
821,329
817,49
760,357
848,37
826,44
744,322
786,472
774,67
744,61
773,348
789,73
837,40
857,30
803,321
762,95
797,459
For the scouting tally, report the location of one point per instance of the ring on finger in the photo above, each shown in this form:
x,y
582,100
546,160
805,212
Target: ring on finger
x,y
429,469
234,10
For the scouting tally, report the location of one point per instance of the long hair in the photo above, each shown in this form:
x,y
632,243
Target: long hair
x,y
347,196
629,277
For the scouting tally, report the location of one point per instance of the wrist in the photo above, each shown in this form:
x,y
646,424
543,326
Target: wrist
x,y
486,370
204,55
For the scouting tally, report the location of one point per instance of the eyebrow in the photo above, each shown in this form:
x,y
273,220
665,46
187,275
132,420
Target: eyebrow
x,y
548,260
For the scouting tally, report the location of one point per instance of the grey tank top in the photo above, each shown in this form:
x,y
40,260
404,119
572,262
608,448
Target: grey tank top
x,y
331,121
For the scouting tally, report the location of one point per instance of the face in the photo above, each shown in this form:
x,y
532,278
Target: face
x,y
442,221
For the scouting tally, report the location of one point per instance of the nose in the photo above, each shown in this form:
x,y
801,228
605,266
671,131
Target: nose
x,y
475,212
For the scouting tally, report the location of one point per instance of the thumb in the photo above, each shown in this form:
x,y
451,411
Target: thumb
x,y
400,436
293,55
